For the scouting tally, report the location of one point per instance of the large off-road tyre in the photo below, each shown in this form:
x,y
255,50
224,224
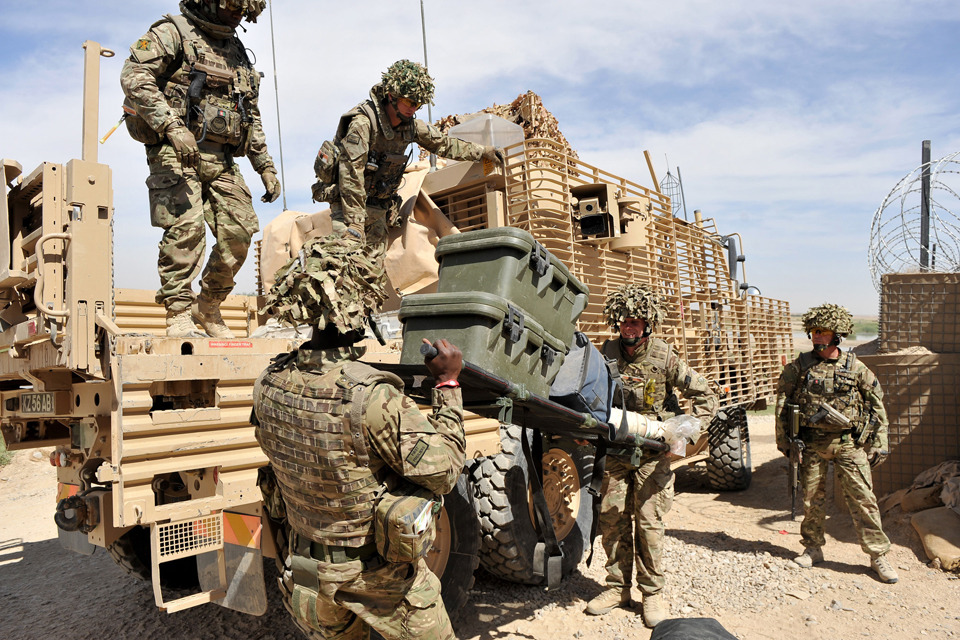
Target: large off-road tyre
x,y
131,552
453,557
729,467
509,535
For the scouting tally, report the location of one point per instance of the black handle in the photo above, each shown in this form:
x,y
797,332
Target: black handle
x,y
428,351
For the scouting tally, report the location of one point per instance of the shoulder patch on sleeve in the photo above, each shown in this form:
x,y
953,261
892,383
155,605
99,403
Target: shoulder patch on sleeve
x,y
416,454
145,50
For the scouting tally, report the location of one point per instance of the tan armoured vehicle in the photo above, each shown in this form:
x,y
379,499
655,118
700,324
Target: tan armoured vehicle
x,y
156,459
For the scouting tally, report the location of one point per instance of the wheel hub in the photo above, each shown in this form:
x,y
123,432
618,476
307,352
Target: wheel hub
x,y
561,490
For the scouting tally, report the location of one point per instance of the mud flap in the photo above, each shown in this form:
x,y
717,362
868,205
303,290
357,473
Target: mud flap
x,y
246,586
75,541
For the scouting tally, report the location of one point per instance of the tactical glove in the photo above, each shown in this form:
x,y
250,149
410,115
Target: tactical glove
x,y
271,184
493,154
184,145
876,456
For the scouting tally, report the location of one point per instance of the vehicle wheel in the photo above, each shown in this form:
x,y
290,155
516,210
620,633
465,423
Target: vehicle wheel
x,y
454,556
509,535
728,467
131,552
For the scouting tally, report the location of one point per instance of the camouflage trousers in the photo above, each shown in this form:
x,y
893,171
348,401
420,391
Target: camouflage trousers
x,y
636,497
399,600
375,231
182,203
856,481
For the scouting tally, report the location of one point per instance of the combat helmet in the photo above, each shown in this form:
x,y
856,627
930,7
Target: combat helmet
x,y
405,79
330,282
828,316
250,8
635,301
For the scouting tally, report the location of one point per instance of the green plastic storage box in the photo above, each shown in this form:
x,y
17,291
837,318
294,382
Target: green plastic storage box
x,y
510,263
492,334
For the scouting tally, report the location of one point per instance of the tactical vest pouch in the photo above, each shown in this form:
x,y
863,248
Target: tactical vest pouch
x,y
325,166
137,127
405,522
219,125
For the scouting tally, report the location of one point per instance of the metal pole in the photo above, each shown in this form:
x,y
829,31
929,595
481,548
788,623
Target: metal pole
x,y
426,65
683,198
91,98
276,94
925,208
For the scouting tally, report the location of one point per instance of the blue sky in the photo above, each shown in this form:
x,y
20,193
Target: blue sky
x,y
790,121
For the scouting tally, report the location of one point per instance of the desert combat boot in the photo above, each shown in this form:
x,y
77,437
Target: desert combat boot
x,y
608,599
809,557
654,609
180,325
208,316
884,569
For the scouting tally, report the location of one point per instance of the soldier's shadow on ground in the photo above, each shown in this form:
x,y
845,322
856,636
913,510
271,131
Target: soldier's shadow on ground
x,y
494,603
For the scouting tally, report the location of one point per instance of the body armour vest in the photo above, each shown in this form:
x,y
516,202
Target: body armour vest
x,y
834,382
645,385
386,160
227,82
311,428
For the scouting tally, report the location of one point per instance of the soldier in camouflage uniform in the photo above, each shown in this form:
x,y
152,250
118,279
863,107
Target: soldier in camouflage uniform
x,y
336,431
191,98
828,375
360,171
638,484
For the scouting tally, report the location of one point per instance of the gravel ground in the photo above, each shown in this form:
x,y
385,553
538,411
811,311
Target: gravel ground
x,y
728,557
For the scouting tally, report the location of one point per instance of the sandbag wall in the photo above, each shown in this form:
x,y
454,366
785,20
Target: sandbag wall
x,y
918,364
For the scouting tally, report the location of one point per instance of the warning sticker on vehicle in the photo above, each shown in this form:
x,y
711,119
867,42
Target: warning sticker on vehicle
x,y
230,344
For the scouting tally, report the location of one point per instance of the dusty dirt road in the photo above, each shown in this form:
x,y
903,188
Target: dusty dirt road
x,y
728,558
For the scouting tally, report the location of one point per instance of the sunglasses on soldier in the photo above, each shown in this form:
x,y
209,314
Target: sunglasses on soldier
x,y
408,103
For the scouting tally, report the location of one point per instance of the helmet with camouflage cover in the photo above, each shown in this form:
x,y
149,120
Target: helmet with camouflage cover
x,y
634,301
250,8
828,316
405,79
330,282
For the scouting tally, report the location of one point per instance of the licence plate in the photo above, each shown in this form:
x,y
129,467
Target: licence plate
x,y
36,403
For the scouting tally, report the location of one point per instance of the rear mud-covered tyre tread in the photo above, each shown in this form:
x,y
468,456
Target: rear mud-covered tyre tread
x,y
131,552
729,465
457,578
508,537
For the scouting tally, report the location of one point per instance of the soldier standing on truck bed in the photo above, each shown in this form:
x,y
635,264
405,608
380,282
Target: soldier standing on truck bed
x,y
191,98
854,437
342,439
638,484
359,172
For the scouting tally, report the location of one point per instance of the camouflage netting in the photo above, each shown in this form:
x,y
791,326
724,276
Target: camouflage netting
x,y
409,80
527,111
828,316
330,281
250,8
635,301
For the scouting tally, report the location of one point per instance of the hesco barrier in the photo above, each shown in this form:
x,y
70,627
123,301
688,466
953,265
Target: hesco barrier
x,y
922,404
920,310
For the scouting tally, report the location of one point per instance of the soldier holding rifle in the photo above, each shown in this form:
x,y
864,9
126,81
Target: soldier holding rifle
x,y
836,406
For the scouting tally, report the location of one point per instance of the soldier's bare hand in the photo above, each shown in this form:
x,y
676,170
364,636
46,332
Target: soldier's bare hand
x,y
448,362
184,145
271,184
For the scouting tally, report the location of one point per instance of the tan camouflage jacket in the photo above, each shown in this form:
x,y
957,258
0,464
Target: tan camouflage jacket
x,y
427,450
158,55
358,183
844,383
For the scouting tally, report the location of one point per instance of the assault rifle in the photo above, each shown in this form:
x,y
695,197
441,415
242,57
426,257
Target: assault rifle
x,y
796,455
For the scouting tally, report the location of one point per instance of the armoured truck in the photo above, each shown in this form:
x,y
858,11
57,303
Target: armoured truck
x,y
156,459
